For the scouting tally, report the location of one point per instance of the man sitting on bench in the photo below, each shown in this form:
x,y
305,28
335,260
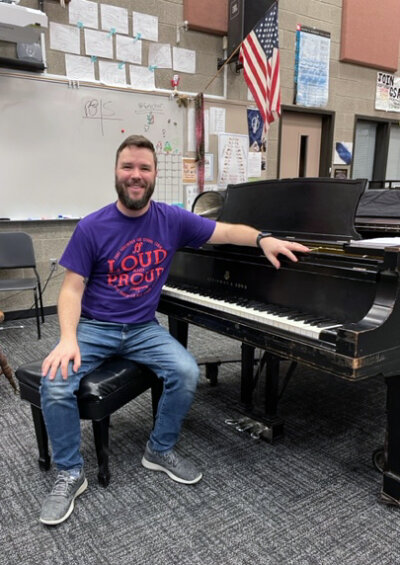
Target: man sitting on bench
x,y
116,264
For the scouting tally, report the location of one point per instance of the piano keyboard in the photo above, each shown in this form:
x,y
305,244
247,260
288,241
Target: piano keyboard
x,y
303,324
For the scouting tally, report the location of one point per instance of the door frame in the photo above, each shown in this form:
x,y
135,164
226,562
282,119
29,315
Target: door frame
x,y
381,143
327,130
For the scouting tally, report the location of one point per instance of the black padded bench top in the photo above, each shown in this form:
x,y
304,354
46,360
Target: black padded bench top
x,y
114,383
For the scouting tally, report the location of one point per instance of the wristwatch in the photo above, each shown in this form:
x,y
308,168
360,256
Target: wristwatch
x,y
261,236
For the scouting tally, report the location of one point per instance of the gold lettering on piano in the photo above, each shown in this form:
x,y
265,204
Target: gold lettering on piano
x,y
227,283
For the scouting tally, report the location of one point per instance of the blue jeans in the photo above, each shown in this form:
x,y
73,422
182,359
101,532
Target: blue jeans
x,y
148,344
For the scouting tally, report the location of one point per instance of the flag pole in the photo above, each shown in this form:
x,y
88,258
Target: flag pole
x,y
222,66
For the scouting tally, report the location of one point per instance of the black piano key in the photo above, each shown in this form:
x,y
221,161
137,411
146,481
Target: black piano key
x,y
285,313
316,320
327,323
294,315
300,317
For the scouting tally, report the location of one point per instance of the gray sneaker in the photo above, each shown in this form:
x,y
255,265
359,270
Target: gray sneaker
x,y
176,467
59,504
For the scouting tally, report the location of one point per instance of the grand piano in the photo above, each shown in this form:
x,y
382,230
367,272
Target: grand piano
x,y
337,309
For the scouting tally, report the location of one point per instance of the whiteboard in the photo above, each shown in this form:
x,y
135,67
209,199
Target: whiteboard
x,y
58,145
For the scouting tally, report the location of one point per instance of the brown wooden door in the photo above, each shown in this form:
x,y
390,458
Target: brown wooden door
x,y
300,150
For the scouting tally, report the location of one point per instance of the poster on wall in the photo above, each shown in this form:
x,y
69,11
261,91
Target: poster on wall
x,y
387,95
256,144
232,158
343,153
255,125
312,67
189,170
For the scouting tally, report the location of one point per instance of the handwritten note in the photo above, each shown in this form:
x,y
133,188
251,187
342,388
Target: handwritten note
x,y
217,120
141,78
79,68
184,60
84,12
65,38
98,43
160,55
128,50
145,25
114,18
112,73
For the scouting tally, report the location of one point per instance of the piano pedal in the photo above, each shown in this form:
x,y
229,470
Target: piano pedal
x,y
239,424
257,430
388,500
245,426
267,431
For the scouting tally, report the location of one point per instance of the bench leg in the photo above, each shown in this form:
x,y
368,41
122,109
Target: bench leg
x,y
156,392
41,438
100,432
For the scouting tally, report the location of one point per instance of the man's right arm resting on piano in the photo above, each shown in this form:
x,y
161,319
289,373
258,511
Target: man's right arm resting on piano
x,y
239,234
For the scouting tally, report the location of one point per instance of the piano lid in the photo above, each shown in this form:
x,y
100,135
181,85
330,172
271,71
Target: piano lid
x,y
383,203
302,208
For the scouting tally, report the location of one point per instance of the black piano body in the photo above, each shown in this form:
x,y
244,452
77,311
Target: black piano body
x,y
336,309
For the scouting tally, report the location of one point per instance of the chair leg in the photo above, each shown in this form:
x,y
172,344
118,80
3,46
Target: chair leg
x,y
41,302
41,438
37,314
40,294
100,432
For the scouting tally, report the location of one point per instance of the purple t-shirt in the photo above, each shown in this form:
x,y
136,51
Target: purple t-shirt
x,y
126,260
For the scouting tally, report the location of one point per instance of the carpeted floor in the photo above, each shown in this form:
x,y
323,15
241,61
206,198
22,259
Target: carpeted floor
x,y
311,498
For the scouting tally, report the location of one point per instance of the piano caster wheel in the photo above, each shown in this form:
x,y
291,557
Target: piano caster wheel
x,y
378,459
212,373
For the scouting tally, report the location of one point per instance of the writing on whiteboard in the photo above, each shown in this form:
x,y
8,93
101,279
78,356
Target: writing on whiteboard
x,y
98,109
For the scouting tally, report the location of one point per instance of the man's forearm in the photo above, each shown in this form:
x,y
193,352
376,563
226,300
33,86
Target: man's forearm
x,y
69,311
239,234
235,234
70,304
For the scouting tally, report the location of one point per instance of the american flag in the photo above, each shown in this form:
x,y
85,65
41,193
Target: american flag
x,y
259,54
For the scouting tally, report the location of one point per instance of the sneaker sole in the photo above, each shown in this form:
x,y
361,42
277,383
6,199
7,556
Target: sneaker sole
x,y
68,513
154,467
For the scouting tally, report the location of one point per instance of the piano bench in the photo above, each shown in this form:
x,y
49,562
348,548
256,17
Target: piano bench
x,y
102,391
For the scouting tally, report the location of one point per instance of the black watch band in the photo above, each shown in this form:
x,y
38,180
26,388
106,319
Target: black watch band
x,y
261,236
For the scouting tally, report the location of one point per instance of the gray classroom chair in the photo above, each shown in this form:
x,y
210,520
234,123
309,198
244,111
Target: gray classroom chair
x,y
16,252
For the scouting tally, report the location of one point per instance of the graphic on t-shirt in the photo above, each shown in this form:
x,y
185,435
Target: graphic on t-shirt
x,y
136,267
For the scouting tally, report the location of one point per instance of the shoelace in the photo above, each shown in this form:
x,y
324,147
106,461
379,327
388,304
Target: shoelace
x,y
170,458
63,484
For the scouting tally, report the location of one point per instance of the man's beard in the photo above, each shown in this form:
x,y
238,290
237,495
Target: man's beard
x,y
129,202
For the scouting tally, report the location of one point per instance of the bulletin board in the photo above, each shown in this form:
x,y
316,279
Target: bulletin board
x,y
58,144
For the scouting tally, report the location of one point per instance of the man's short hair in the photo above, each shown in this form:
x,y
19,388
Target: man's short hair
x,y
137,141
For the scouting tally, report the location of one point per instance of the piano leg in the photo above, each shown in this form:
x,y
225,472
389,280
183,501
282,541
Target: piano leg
x,y
273,424
391,477
247,381
179,330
